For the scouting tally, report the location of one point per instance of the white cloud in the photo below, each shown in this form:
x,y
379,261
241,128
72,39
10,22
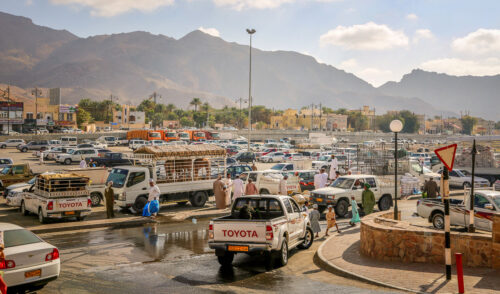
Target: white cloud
x,y
412,16
422,34
109,8
463,67
211,31
369,36
372,75
260,4
480,42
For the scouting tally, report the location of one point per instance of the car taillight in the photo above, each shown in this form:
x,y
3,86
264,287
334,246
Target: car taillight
x,y
53,255
269,233
210,231
50,205
89,202
6,264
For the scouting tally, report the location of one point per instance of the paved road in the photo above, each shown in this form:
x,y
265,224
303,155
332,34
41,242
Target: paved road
x,y
175,258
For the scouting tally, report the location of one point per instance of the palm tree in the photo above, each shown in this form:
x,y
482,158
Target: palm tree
x,y
170,107
195,102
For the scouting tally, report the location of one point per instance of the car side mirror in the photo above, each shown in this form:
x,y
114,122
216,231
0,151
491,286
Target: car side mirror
x,y
489,206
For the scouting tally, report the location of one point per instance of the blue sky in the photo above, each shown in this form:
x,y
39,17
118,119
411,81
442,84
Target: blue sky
x,y
378,40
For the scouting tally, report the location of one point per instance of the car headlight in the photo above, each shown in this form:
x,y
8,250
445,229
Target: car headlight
x,y
331,196
121,196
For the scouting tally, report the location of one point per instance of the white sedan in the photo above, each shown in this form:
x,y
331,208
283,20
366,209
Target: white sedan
x,y
29,261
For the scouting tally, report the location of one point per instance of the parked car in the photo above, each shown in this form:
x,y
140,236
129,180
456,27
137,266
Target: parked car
x,y
34,145
13,174
458,180
4,162
12,143
276,226
247,157
293,156
237,170
76,156
110,159
30,261
135,144
273,157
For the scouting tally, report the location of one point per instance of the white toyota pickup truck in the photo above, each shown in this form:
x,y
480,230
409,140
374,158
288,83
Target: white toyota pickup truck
x,y
274,225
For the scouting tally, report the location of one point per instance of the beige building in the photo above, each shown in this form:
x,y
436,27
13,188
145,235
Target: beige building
x,y
336,122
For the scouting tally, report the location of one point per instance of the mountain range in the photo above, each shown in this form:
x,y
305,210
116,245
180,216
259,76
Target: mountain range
x,y
133,65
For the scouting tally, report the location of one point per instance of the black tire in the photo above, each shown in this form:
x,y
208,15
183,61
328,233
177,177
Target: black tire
x,y
139,204
385,203
3,146
95,198
264,191
308,239
23,209
41,218
283,253
321,209
198,199
438,221
24,149
226,259
342,208
466,185
67,161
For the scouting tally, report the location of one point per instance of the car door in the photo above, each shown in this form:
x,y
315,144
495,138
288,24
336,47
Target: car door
x,y
455,180
293,217
482,214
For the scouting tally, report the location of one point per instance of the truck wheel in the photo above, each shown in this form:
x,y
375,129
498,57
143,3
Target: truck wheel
x,y
198,199
321,209
23,209
308,239
342,208
41,218
384,203
438,221
67,161
24,149
227,259
264,191
283,253
139,204
95,198
3,146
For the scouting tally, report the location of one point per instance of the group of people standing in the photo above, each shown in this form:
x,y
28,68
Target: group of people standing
x,y
223,188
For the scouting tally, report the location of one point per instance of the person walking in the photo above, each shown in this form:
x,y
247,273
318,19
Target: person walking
x,y
154,195
83,163
254,167
431,188
219,193
238,187
330,220
305,208
282,187
334,166
367,200
109,195
250,189
314,217
355,213
228,183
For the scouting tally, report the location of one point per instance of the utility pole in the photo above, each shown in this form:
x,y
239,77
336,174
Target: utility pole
x,y
250,32
320,116
37,92
154,95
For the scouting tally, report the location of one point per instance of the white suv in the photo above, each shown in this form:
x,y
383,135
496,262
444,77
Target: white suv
x,y
12,143
76,156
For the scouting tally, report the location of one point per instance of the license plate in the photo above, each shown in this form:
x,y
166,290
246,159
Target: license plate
x,y
32,274
237,248
319,199
69,213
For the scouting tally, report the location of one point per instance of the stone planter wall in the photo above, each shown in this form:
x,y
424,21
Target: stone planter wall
x,y
385,239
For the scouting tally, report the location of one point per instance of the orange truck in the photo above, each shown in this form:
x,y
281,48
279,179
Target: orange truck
x,y
169,135
147,135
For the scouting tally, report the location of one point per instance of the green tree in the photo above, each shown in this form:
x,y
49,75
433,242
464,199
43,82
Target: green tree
x,y
468,123
82,116
410,122
357,121
186,122
195,102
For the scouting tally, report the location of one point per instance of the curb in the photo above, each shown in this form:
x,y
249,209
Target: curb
x,y
213,215
332,268
126,223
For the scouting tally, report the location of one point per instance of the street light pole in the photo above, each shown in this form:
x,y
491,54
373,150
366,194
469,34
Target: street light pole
x,y
250,32
396,126
36,92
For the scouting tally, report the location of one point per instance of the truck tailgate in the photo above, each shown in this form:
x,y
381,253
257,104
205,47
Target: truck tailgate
x,y
70,204
240,231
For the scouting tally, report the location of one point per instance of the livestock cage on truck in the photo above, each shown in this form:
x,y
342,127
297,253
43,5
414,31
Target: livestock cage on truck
x,y
56,185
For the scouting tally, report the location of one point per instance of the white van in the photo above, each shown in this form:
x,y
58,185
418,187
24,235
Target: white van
x,y
108,140
69,141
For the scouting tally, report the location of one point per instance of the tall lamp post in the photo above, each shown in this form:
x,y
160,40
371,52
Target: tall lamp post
x,y
250,32
396,126
37,92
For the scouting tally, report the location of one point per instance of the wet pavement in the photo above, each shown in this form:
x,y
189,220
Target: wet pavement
x,y
175,258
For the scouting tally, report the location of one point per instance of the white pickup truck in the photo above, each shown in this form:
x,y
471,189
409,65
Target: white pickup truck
x,y
274,226
268,182
486,203
57,196
339,193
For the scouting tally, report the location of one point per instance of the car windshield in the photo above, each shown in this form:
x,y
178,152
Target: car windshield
x,y
155,135
118,176
278,166
32,181
71,151
170,135
19,237
6,170
343,183
459,173
110,139
183,135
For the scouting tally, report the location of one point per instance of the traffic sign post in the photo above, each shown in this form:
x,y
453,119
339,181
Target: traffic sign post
x,y
447,157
